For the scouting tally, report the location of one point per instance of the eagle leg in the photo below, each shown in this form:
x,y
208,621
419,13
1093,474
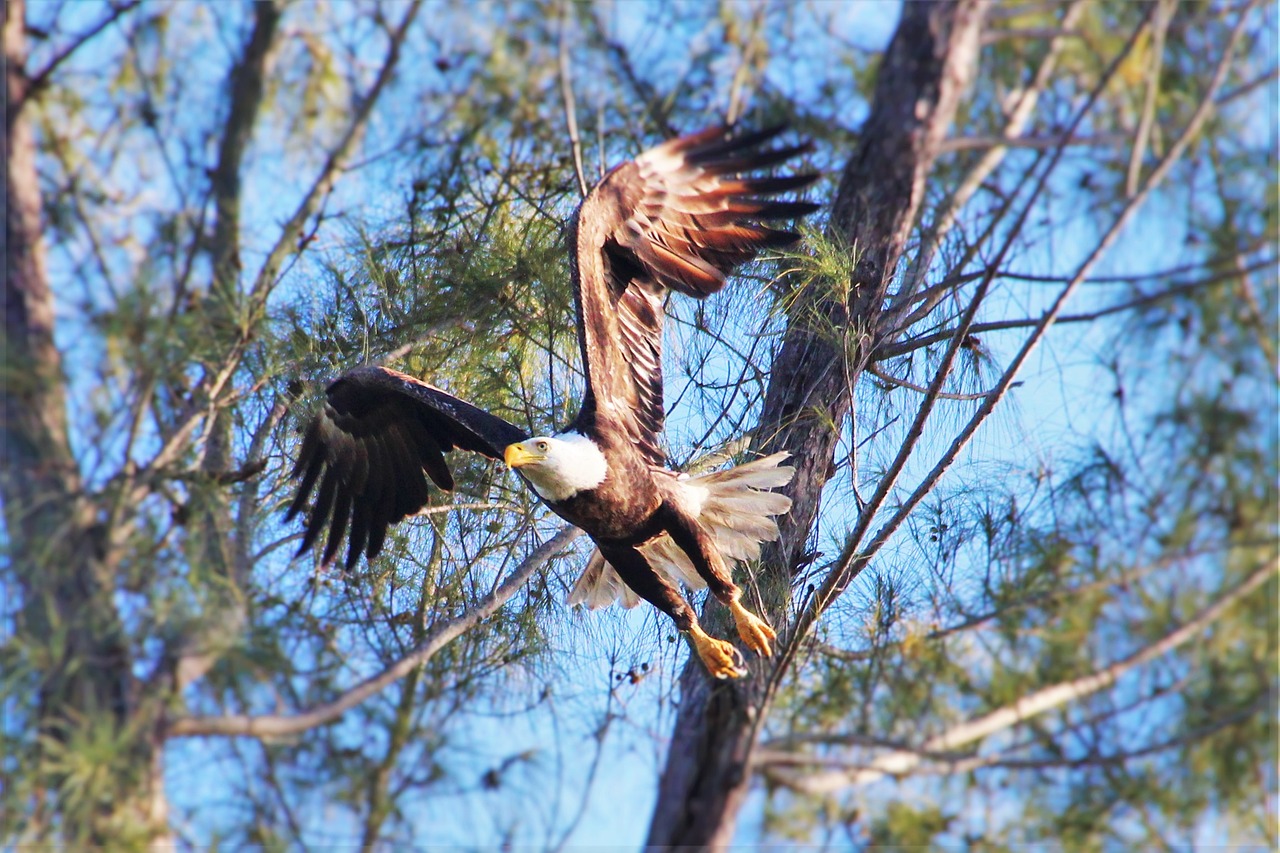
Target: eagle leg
x,y
753,630
720,658
689,534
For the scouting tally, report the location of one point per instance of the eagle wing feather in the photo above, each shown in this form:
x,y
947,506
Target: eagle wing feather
x,y
379,437
681,216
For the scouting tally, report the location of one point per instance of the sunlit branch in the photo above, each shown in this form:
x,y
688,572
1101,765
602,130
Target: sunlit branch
x,y
570,105
899,762
1015,33
1159,27
1035,143
913,344
948,764
279,725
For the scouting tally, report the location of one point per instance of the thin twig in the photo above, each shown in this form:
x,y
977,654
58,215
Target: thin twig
x,y
570,105
878,372
913,344
898,762
279,725
1159,27
41,77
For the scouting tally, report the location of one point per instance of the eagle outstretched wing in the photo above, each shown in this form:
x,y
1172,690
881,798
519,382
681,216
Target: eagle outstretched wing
x,y
678,217
371,447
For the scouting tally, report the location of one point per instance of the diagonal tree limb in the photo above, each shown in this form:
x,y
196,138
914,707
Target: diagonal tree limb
x,y
286,244
1142,136
914,344
566,95
851,561
39,79
280,725
898,762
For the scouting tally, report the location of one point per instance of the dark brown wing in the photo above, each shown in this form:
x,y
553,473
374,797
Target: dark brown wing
x,y
679,217
371,448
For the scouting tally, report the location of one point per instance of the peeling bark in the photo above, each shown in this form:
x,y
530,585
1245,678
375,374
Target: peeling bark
x,y
831,335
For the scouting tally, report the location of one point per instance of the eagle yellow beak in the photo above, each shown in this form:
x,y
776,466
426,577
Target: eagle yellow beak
x,y
517,455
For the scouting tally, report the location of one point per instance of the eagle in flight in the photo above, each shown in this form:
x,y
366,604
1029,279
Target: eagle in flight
x,y
681,217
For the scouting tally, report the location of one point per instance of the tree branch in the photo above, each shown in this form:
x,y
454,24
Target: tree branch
x,y
279,725
570,105
38,80
914,344
899,762
1035,143
1159,27
287,242
851,561
879,372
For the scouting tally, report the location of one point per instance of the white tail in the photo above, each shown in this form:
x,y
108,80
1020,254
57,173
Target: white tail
x,y
734,506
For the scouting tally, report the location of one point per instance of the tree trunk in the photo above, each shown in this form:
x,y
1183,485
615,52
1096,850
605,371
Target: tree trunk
x,y
831,335
68,619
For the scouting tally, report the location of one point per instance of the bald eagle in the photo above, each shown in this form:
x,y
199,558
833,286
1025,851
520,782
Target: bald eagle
x,y
681,217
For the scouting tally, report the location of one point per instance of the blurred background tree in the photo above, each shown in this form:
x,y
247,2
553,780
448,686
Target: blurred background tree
x,y
1027,362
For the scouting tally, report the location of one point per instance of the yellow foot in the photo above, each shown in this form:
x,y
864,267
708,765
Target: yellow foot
x,y
720,658
753,630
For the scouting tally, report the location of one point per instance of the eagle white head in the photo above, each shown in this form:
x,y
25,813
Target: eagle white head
x,y
558,466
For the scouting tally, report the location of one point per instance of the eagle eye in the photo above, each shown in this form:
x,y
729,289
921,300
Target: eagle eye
x,y
542,446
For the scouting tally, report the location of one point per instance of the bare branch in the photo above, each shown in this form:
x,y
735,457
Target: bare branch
x,y
570,105
898,762
38,80
279,725
914,344
1035,143
949,764
879,372
287,242
1159,27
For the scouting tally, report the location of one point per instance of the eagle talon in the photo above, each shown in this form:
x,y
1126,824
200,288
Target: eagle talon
x,y
720,658
753,630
